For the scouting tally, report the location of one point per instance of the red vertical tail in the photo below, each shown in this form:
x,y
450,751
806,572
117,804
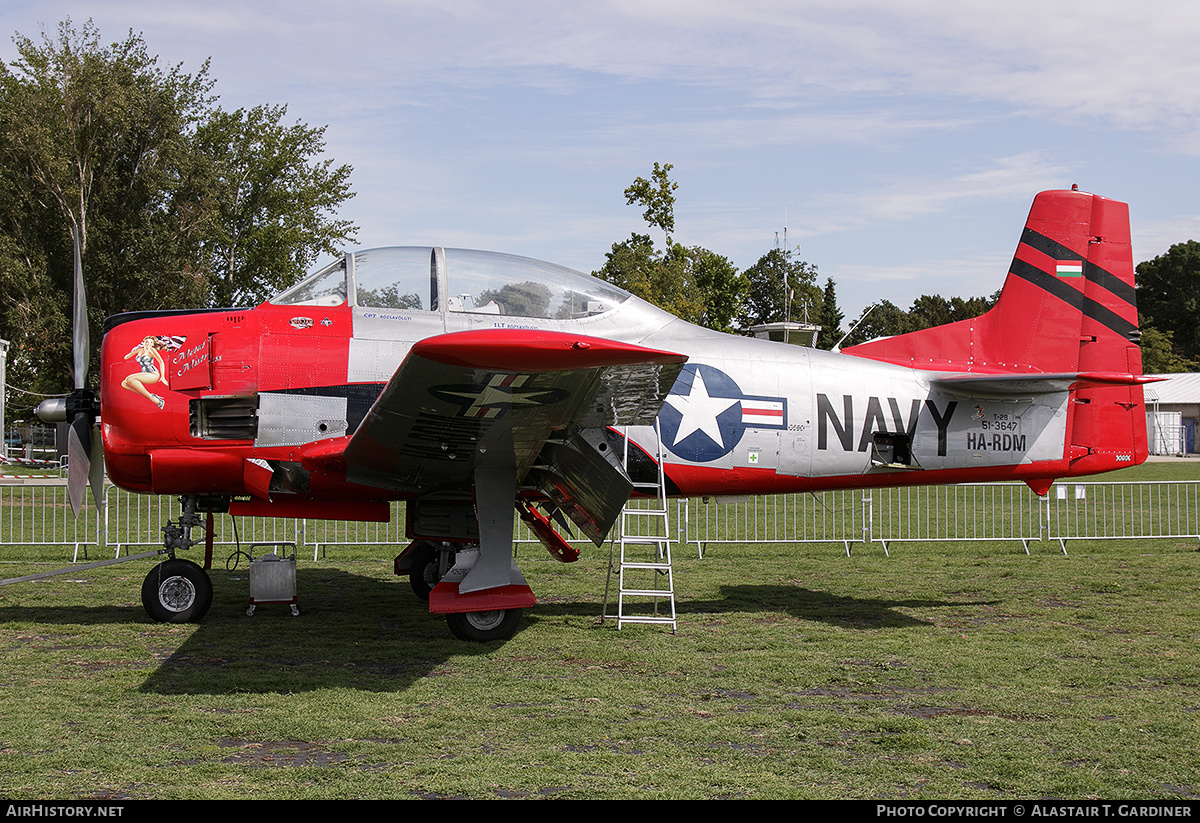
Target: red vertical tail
x,y
1075,255
1068,307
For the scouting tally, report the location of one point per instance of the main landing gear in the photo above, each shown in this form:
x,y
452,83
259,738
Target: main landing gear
x,y
428,563
481,627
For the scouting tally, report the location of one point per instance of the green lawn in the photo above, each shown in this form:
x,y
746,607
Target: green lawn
x,y
945,671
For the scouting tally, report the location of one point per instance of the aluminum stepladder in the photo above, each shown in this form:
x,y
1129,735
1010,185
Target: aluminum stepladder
x,y
643,569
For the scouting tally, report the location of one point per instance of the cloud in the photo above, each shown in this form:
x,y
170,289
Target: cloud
x,y
900,198
1150,239
512,120
859,285
1014,176
1133,64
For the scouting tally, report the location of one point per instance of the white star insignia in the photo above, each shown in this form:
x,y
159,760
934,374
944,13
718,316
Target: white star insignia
x,y
700,411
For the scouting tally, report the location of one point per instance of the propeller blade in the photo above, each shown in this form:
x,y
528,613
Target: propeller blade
x,y
85,451
79,449
79,318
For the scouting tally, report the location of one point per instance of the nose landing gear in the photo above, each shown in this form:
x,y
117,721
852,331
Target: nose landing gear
x,y
178,590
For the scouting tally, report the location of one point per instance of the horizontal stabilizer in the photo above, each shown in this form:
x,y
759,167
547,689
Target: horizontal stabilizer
x,y
1000,386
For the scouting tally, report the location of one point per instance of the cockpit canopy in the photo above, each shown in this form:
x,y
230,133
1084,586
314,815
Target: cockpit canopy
x,y
421,278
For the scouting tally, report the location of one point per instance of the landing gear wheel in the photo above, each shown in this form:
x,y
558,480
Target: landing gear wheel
x,y
484,626
425,572
177,591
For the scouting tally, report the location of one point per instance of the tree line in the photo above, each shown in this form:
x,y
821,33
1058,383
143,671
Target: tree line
x,y
1168,297
703,287
174,200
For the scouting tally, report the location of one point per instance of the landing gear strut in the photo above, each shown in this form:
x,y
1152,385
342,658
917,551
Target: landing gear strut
x,y
427,563
461,558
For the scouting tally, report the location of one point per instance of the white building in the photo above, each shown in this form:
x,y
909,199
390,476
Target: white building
x,y
1172,413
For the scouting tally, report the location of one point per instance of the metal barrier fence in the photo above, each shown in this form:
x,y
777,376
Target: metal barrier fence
x,y
967,512
1116,511
37,513
824,517
962,513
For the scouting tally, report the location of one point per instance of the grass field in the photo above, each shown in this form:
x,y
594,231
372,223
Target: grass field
x,y
944,671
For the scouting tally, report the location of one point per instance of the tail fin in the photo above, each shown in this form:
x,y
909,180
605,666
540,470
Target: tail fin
x,y
1068,306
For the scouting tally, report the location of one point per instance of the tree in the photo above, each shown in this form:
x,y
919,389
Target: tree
x,y
273,203
1168,296
931,310
91,137
84,123
658,197
829,318
779,287
885,319
718,286
662,279
927,311
1158,354
694,284
175,203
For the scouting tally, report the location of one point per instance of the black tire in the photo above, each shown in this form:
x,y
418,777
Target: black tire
x,y
482,627
177,591
424,573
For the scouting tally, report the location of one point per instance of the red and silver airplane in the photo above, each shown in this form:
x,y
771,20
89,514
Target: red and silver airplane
x,y
468,383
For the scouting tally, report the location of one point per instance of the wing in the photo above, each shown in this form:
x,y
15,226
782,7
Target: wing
x,y
509,400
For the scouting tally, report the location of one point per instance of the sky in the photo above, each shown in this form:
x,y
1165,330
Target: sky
x,y
899,143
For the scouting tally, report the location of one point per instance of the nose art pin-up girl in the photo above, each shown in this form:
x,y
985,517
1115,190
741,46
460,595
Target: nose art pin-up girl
x,y
153,369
